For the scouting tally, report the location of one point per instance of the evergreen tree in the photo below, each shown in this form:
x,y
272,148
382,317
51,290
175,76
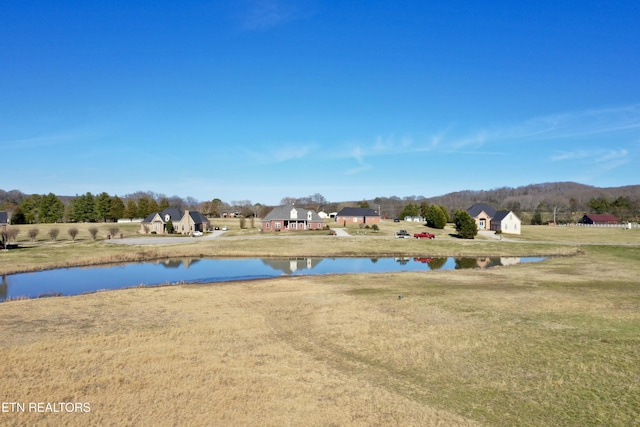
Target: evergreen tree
x,y
102,206
164,204
30,208
153,206
465,225
131,209
83,208
424,208
116,208
51,209
411,209
143,207
170,227
436,217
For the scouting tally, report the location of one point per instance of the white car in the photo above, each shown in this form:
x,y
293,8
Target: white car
x,y
197,233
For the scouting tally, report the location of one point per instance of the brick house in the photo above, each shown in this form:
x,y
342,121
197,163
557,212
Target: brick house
x,y
358,216
183,222
487,218
290,218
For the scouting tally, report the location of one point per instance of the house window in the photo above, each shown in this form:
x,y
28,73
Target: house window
x,y
294,225
278,226
355,219
267,225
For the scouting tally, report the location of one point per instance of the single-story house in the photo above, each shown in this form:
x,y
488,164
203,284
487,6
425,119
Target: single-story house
x,y
600,219
290,218
487,218
183,222
358,216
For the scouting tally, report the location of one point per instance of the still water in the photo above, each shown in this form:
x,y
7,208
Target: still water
x,y
75,281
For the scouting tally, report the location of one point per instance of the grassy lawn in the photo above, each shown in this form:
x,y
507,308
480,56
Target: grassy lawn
x,y
552,343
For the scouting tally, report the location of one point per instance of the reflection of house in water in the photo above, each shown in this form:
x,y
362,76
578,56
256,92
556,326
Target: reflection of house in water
x,y
511,260
291,265
177,262
488,262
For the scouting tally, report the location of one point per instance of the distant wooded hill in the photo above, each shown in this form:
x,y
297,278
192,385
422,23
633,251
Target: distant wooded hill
x,y
569,200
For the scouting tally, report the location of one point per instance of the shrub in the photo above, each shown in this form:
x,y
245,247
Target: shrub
x,y
113,231
53,233
33,233
73,232
94,232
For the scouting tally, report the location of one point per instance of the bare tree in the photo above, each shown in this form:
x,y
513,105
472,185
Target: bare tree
x,y
73,232
146,228
12,233
33,233
94,232
53,233
113,231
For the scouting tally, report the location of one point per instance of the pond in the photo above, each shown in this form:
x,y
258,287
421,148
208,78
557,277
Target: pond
x,y
79,280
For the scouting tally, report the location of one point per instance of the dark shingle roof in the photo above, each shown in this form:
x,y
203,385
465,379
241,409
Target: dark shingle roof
x,y
198,218
500,215
477,208
176,215
357,212
284,213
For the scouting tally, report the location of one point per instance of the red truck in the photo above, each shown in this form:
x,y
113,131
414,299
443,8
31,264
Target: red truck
x,y
424,235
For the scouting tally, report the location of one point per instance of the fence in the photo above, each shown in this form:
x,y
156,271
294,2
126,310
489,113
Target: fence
x,y
627,226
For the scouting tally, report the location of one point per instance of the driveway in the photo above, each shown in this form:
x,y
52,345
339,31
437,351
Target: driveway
x,y
341,232
165,240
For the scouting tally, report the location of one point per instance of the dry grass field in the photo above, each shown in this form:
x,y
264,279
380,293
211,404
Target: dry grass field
x,y
553,343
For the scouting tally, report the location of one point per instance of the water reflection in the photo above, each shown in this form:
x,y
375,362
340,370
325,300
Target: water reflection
x,y
74,281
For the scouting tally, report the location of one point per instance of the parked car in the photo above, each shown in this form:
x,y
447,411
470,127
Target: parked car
x,y
424,235
402,234
396,219
197,233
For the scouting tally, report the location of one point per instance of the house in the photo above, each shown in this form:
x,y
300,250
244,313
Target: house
x,y
358,216
183,222
290,218
487,218
600,219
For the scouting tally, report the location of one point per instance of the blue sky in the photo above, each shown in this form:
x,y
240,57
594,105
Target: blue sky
x,y
260,100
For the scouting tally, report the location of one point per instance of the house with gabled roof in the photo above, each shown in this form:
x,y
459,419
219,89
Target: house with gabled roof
x,y
358,216
186,222
487,218
291,218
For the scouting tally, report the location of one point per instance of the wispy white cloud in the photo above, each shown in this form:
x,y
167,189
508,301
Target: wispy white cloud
x,y
265,14
594,162
280,153
51,140
358,154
